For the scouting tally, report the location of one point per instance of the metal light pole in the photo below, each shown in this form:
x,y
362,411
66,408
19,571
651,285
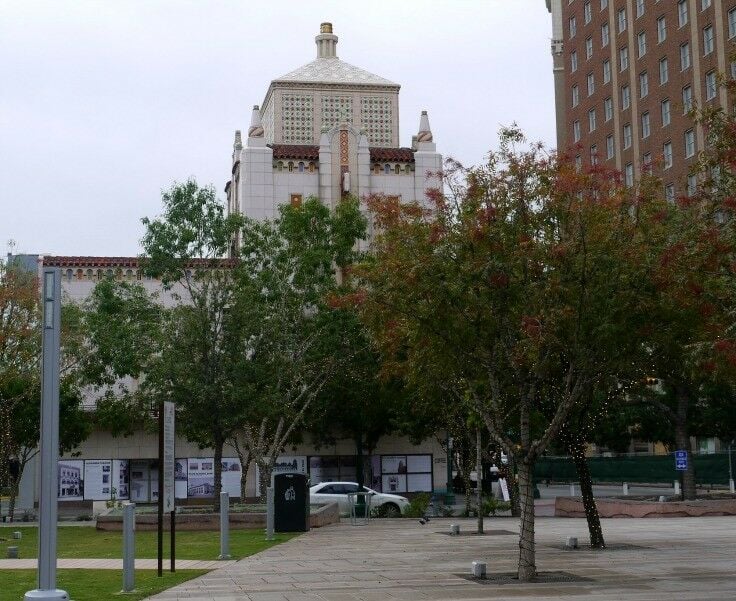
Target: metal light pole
x,y
47,503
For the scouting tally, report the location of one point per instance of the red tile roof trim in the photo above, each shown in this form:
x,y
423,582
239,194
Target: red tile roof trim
x,y
131,262
401,155
311,153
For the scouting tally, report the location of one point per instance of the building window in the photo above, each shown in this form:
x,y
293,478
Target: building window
x,y
594,155
588,48
687,99
692,185
661,29
666,112
622,20
669,192
623,58
578,163
732,23
627,136
643,84
301,167
296,200
625,97
591,120
311,166
664,71
641,40
573,61
587,13
604,4
639,8
645,125
647,162
685,56
606,35
609,147
667,154
707,40
608,108
291,166
704,4
576,130
629,175
397,169
682,12
575,95
591,84
711,88
573,27
387,168
689,143
606,71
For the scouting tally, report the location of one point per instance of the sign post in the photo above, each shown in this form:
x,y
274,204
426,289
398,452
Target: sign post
x,y
49,445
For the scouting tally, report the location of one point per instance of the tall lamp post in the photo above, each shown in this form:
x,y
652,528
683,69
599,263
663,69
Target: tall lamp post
x,y
47,503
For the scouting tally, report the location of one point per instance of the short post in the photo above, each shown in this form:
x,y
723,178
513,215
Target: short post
x,y
572,489
478,569
13,553
571,542
269,513
454,529
730,472
224,526
129,547
626,489
677,487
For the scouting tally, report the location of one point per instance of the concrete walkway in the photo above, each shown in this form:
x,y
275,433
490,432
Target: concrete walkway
x,y
113,564
682,559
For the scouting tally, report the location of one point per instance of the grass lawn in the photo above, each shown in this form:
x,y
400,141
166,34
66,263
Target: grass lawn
x,y
93,585
85,541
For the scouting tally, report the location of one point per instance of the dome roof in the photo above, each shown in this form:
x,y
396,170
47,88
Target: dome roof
x,y
333,71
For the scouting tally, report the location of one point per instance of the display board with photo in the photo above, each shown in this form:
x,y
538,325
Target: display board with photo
x,y
180,478
406,473
121,478
70,480
230,476
284,464
201,477
139,481
98,479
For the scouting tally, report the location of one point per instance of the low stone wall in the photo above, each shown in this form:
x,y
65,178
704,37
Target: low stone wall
x,y
572,507
326,514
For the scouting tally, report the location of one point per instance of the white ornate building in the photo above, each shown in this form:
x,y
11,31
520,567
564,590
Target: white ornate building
x,y
328,129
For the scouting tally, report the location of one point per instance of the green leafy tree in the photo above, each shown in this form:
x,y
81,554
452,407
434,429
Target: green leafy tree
x,y
522,279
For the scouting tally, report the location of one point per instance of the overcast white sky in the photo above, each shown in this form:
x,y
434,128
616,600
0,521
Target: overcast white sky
x,y
105,103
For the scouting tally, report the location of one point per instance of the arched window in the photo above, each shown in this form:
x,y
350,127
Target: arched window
x,y
109,273
311,167
281,166
90,275
301,167
69,275
397,169
129,274
99,274
387,168
80,274
291,166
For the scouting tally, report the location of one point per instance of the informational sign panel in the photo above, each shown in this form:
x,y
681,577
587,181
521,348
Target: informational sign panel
x,y
169,457
286,464
231,476
98,481
681,461
139,481
71,480
504,489
121,479
180,478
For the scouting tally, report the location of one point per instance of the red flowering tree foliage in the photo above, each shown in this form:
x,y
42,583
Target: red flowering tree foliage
x,y
521,282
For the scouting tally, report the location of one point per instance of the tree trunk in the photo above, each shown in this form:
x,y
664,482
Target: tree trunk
x,y
576,447
264,478
244,467
479,479
527,561
682,440
513,487
218,473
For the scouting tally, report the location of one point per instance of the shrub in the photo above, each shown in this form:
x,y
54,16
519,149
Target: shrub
x,y
418,506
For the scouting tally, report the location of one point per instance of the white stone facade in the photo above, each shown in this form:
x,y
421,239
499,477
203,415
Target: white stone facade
x,y
328,129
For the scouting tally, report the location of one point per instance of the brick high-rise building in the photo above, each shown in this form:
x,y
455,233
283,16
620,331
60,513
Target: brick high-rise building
x,y
628,71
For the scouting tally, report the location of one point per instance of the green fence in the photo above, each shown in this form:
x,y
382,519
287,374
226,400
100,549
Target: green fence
x,y
709,469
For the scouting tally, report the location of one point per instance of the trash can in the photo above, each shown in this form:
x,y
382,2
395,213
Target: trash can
x,y
290,503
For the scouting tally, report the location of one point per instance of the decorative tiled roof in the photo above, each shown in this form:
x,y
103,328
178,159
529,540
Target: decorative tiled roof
x,y
295,151
402,155
131,262
333,71
311,153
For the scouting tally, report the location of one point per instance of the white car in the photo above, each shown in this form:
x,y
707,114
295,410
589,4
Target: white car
x,y
328,492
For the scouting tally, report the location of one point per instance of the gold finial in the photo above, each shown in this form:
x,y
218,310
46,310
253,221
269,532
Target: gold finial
x,y
325,28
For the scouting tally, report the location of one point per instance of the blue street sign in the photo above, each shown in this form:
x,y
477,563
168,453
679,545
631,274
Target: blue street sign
x,y
681,461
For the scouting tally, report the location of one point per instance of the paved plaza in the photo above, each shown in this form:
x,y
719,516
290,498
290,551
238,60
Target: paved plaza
x,y
649,560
